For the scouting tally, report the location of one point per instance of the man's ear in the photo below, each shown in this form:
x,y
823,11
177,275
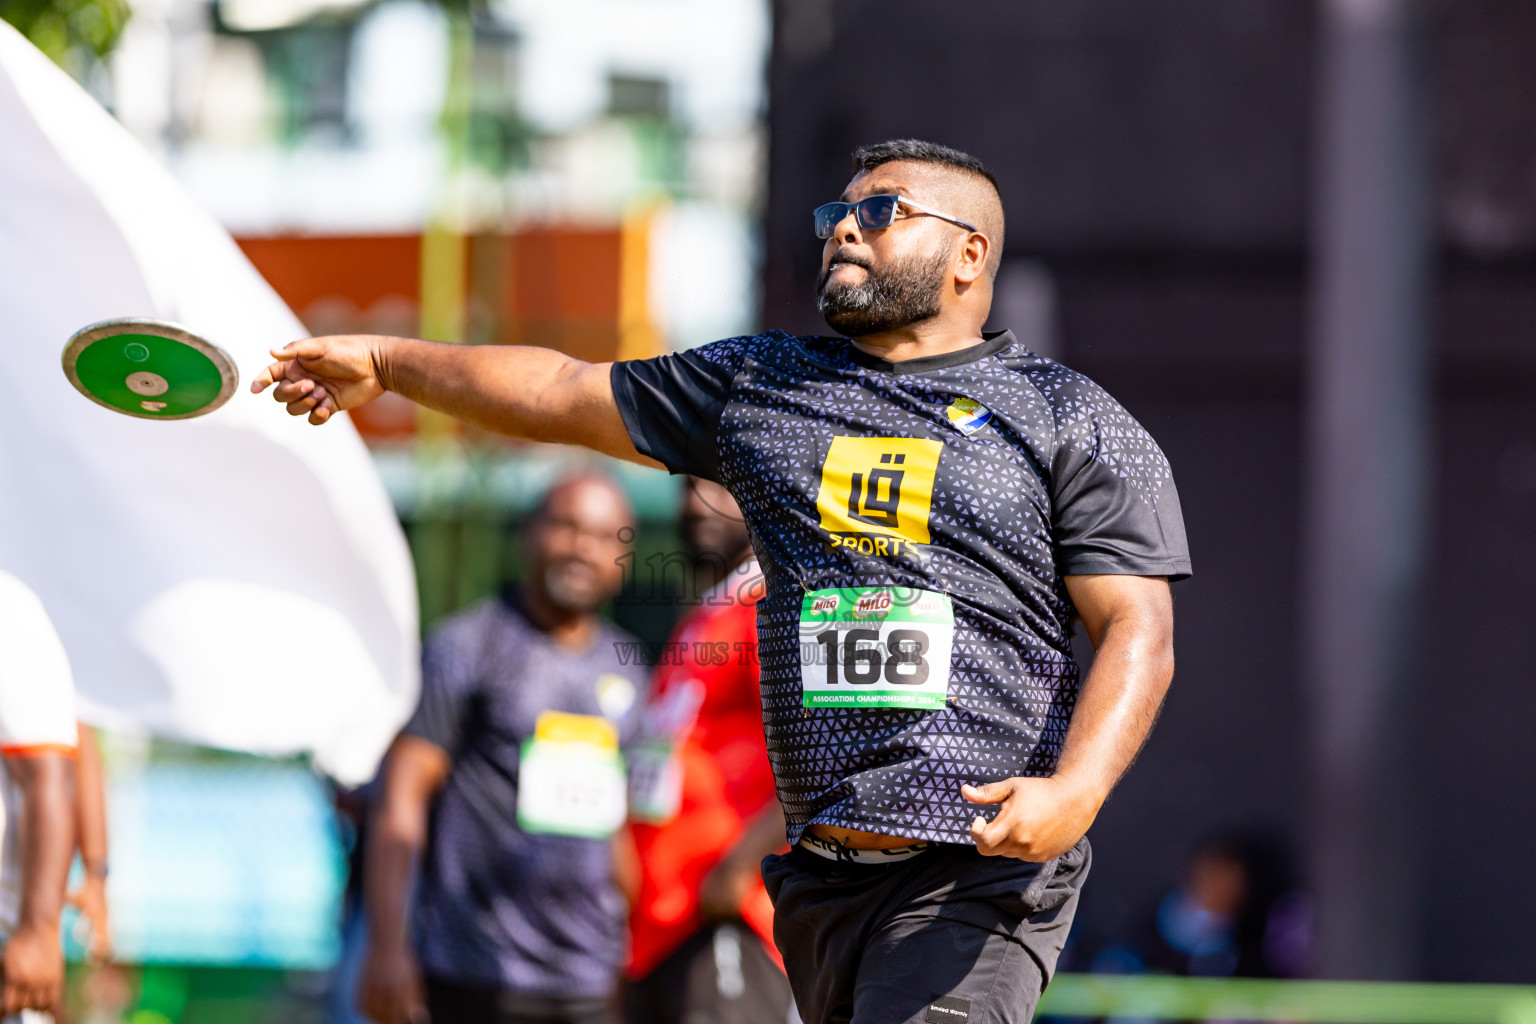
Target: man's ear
x,y
973,258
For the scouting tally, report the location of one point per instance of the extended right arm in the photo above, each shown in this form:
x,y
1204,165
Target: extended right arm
x,y
532,393
414,770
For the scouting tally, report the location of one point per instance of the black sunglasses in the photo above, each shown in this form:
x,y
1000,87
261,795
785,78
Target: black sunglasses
x,y
874,212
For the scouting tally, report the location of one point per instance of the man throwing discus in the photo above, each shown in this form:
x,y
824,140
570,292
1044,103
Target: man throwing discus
x,y
932,507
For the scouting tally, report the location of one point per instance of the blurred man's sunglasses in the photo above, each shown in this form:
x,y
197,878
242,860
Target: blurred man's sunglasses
x,y
874,212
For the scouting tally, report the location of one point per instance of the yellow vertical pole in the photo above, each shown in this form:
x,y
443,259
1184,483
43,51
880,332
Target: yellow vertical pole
x,y
638,336
444,252
444,274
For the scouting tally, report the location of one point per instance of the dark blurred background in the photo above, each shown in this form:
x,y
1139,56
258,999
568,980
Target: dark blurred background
x,y
1158,163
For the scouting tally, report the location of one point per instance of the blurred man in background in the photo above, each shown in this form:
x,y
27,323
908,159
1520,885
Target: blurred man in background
x,y
507,785
38,734
1237,912
702,799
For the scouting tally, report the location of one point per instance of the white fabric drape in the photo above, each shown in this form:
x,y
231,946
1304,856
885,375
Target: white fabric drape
x,y
237,580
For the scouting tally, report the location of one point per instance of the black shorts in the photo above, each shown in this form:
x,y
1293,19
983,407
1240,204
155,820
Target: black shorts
x,y
946,936
722,974
456,1002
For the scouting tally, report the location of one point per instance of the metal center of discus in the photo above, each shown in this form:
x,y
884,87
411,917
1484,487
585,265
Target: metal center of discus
x,y
142,382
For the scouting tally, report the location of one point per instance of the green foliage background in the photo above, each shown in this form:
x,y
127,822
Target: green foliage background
x,y
74,33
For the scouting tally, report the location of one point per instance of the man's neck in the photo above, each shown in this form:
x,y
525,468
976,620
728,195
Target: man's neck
x,y
572,631
928,338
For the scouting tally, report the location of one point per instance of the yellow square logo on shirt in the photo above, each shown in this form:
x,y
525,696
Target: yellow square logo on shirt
x,y
876,492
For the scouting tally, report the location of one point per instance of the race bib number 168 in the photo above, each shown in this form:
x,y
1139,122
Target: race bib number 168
x,y
875,647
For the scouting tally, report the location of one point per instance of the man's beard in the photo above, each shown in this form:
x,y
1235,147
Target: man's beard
x,y
569,591
905,293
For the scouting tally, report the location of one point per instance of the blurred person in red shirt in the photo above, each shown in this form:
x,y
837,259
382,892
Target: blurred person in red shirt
x,y
702,803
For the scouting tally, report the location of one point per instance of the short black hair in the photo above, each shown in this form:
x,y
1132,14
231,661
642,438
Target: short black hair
x,y
867,158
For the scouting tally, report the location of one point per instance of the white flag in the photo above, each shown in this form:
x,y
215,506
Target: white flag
x,y
237,580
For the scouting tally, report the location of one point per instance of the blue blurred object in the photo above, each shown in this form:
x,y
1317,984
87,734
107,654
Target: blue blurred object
x,y
224,863
1204,936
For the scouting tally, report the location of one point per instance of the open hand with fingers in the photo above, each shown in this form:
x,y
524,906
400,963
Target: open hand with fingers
x,y
323,376
1039,818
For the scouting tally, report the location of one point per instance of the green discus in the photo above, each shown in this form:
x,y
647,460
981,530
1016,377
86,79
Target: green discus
x,y
150,369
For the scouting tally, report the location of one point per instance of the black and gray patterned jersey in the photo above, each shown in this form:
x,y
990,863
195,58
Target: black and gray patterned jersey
x,y
914,522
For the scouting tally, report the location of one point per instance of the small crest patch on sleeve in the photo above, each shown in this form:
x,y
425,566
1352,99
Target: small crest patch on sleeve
x,y
968,415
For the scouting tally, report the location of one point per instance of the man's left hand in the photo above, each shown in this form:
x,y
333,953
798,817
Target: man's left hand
x,y
33,967
1040,819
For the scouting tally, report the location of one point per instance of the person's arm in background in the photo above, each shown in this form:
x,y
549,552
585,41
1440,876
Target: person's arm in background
x,y
624,858
33,960
1129,619
390,990
38,734
730,881
91,824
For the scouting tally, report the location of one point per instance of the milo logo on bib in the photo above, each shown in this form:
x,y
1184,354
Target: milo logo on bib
x,y
875,647
878,603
